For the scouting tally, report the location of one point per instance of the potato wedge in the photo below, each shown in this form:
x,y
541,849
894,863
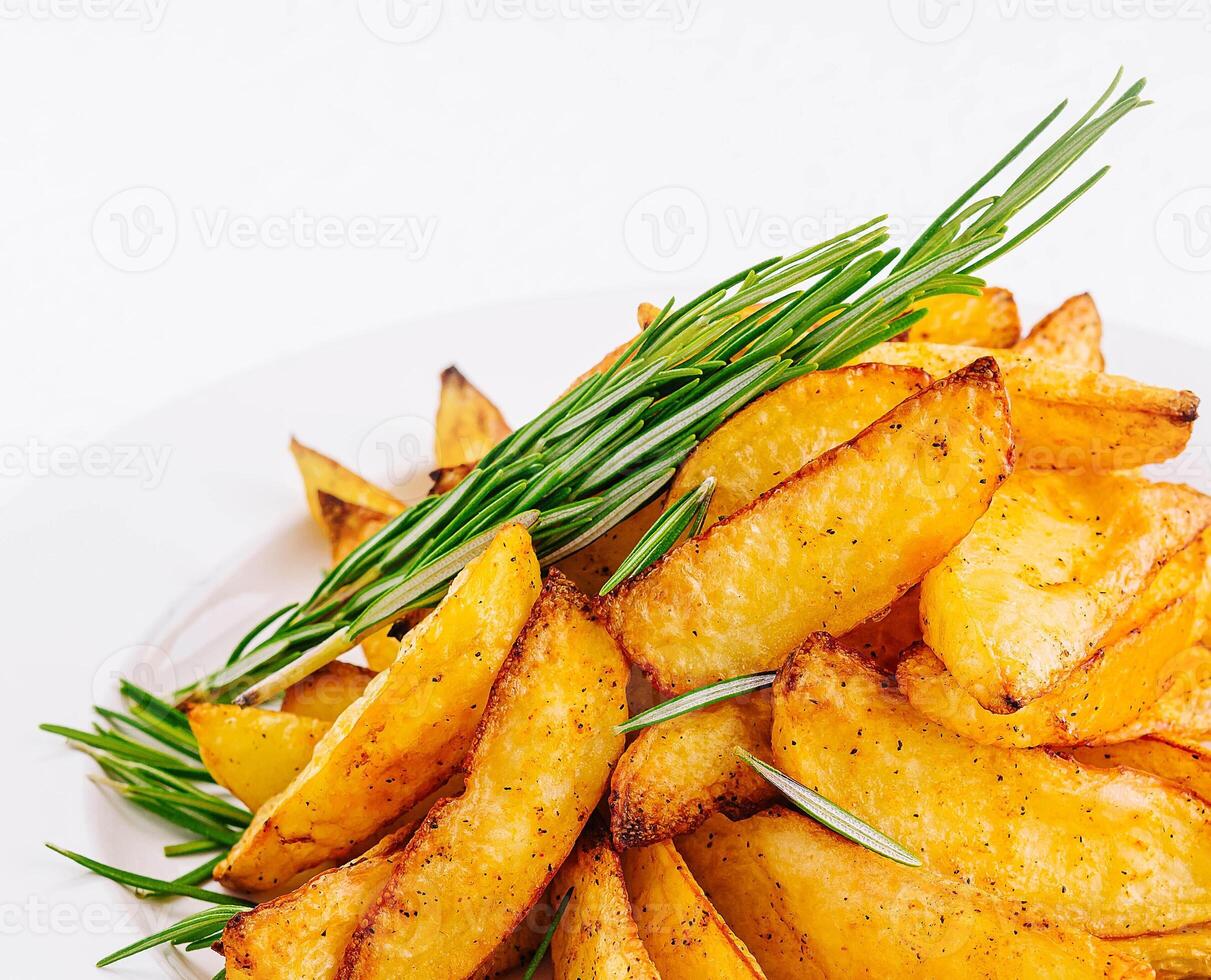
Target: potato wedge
x,y
1118,853
327,692
1071,334
468,424
684,935
676,774
886,637
784,430
302,935
1184,709
1026,597
821,551
252,752
1065,418
541,761
406,735
1183,953
1185,761
646,315
448,477
1115,688
348,524
988,320
811,904
321,473
597,938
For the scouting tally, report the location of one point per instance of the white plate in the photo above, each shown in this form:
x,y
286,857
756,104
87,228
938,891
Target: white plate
x,y
368,402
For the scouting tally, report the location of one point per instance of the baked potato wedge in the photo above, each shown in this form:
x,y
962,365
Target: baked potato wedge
x,y
252,752
1058,558
320,473
1071,335
784,430
676,774
1065,418
1184,709
684,935
468,424
1119,853
811,904
540,763
348,524
1178,955
820,551
406,735
1185,761
597,938
327,692
988,320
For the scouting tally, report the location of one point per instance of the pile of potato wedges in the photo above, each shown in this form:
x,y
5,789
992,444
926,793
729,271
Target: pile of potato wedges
x,y
990,634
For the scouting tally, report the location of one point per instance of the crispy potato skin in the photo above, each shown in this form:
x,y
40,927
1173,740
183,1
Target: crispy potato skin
x,y
782,431
302,934
597,938
1174,955
1070,335
684,934
253,752
1026,597
468,424
1115,688
806,555
406,735
1119,853
988,320
1065,418
327,692
321,473
811,904
1185,761
676,774
540,763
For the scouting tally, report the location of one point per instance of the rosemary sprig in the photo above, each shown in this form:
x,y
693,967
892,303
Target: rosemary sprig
x,y
543,946
676,382
194,932
684,518
700,697
151,886
830,815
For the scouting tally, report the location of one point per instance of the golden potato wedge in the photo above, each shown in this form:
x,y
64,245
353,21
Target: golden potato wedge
x,y
1185,761
406,735
1070,335
302,935
1117,687
448,477
811,904
1065,418
1183,953
988,320
1184,709
348,524
821,550
597,937
886,637
1119,853
646,315
321,473
327,692
1026,597
541,761
593,564
468,424
252,752
784,430
684,935
676,774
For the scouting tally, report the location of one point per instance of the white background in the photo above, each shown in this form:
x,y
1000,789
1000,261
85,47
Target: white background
x,y
515,150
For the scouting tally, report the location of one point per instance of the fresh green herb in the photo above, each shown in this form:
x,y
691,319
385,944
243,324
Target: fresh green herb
x,y
151,886
829,814
197,931
684,518
546,939
698,698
